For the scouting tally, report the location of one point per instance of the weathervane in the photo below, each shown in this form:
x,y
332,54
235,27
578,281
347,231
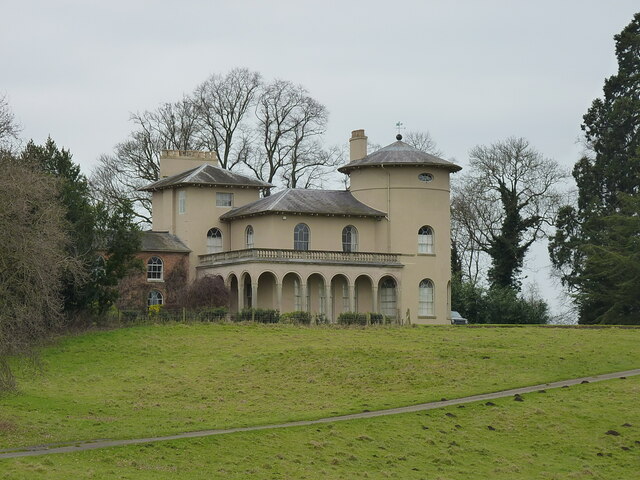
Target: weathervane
x,y
399,126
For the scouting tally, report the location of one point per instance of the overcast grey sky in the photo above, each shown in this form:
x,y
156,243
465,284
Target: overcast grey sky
x,y
469,72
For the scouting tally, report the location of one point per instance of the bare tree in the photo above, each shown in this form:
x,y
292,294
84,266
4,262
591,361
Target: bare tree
x,y
503,205
223,103
423,141
33,260
135,161
273,130
9,128
289,122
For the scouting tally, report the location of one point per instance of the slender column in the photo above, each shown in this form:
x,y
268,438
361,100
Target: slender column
x,y
240,295
254,295
374,294
352,298
328,304
303,293
279,297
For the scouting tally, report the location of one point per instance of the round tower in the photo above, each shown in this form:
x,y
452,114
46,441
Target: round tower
x,y
412,187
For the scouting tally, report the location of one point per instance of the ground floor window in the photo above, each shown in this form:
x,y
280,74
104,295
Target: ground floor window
x,y
425,301
297,295
154,298
388,298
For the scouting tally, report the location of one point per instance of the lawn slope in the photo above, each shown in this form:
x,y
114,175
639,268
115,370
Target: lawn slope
x,y
163,379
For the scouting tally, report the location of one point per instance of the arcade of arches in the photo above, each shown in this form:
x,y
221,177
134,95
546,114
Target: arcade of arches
x,y
317,293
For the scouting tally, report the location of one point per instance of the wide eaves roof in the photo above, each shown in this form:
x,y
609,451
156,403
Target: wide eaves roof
x,y
399,154
309,202
162,242
205,176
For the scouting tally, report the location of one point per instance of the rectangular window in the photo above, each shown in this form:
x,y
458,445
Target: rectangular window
x,y
297,295
224,199
345,298
182,202
321,300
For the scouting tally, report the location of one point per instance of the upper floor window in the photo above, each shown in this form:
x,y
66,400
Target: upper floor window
x,y
224,199
182,202
214,240
154,268
154,298
425,240
425,298
301,237
249,236
349,239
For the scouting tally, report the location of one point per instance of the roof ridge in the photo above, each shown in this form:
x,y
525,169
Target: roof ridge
x,y
198,169
284,194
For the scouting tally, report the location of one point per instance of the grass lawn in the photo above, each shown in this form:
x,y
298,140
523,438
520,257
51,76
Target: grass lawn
x,y
583,432
162,379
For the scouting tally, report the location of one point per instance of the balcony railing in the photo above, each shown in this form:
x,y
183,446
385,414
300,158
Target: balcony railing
x,y
299,256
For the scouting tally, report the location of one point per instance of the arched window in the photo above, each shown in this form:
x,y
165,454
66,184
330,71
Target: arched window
x,y
388,297
425,240
154,298
349,239
425,299
301,237
214,240
154,268
249,236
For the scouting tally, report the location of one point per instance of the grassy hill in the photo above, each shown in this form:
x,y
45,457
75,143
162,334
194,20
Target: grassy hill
x,y
154,380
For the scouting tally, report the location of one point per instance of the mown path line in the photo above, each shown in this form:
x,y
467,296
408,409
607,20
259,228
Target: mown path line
x,y
92,445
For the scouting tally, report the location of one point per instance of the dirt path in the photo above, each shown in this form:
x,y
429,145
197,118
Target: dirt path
x,y
91,445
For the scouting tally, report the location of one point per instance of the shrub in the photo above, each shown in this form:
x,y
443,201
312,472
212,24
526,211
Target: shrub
x,y
497,305
321,319
213,314
259,315
207,291
378,319
352,318
297,317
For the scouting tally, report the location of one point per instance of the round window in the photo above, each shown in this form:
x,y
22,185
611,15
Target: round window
x,y
425,177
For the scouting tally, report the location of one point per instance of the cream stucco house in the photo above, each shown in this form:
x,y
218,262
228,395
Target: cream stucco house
x,y
381,246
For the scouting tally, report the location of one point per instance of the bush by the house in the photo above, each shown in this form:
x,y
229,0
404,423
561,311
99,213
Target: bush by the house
x,y
212,314
297,317
260,315
205,292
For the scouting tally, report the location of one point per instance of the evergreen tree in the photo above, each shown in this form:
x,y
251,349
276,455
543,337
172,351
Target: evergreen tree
x,y
612,170
92,231
610,281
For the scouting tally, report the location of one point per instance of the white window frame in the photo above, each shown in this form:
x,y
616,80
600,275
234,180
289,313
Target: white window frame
x,y
349,239
297,295
345,297
426,297
214,242
425,240
224,199
249,236
388,297
155,269
182,202
301,237
155,297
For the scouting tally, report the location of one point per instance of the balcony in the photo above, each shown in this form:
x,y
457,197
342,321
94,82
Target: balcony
x,y
271,255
